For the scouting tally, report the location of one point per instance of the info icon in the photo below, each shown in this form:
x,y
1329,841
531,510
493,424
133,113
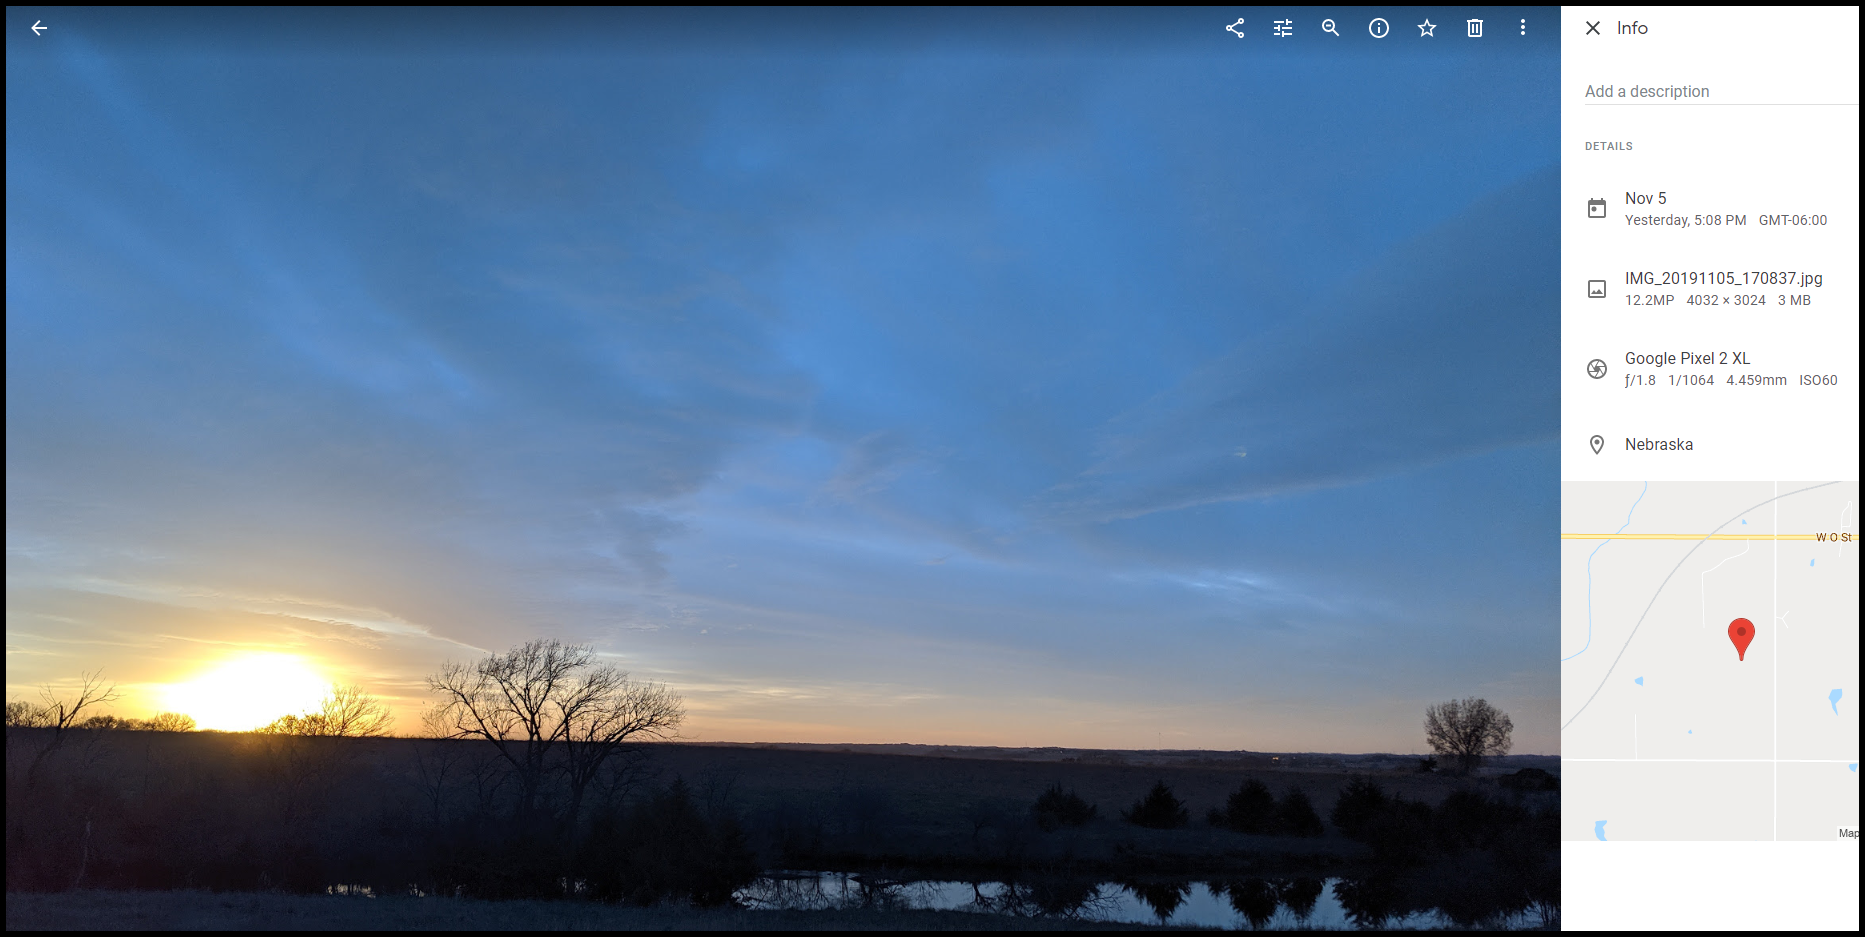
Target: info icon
x,y
1596,208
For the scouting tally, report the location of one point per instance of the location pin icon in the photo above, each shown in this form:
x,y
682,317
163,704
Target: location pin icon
x,y
1741,632
1598,442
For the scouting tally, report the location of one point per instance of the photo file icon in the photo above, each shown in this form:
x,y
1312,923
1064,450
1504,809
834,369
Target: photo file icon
x,y
1596,289
1596,208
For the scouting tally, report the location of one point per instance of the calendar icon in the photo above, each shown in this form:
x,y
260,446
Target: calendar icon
x,y
1596,208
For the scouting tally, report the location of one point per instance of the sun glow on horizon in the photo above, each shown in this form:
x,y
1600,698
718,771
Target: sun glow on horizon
x,y
249,691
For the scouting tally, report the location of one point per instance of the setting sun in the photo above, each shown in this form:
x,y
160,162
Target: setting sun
x,y
249,691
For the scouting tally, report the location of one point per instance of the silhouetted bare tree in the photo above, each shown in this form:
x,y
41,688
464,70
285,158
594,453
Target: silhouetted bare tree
x,y
58,714
107,722
169,722
347,712
20,714
546,705
1467,731
160,722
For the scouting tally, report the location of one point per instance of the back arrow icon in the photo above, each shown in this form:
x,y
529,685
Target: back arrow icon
x,y
37,29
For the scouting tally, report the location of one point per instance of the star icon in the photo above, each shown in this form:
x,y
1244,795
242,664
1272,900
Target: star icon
x,y
1425,29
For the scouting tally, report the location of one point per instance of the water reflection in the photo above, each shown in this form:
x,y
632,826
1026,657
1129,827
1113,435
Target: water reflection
x,y
1063,897
1043,897
1368,903
1163,897
833,891
1253,898
1255,903
1299,895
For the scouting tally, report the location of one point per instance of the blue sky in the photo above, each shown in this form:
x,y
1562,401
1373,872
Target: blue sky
x,y
961,384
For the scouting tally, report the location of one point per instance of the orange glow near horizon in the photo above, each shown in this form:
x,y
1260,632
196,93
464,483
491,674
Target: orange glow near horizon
x,y
249,691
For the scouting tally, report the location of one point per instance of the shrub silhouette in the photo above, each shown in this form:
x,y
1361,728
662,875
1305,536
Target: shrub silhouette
x,y
1054,809
169,722
1404,832
1471,819
1295,815
1159,809
160,722
1359,804
1401,832
1397,829
1530,779
1251,808
346,711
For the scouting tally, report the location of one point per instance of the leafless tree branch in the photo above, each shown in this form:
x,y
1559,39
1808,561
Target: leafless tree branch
x,y
549,708
1467,731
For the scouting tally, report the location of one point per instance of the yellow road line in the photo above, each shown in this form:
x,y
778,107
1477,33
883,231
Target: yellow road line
x,y
1829,537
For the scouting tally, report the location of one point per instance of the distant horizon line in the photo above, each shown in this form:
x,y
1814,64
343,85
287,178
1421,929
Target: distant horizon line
x,y
952,745
1078,748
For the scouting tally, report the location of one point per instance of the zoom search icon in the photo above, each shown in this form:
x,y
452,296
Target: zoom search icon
x,y
1327,26
1379,27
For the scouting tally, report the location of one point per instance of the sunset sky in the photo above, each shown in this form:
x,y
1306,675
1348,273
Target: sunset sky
x,y
1011,382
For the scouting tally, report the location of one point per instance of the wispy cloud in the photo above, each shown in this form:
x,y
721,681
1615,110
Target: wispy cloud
x,y
816,384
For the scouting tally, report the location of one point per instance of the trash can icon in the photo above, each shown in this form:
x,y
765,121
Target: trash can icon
x,y
1596,208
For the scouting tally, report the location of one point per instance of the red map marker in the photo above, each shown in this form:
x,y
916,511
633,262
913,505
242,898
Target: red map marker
x,y
1741,632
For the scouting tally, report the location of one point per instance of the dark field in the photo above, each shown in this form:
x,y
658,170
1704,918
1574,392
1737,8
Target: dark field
x,y
691,824
966,807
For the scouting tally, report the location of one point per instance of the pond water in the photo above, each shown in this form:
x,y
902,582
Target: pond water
x,y
1242,903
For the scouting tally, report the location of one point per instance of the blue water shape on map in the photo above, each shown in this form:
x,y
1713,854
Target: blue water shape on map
x,y
1639,680
1599,830
1833,698
1854,766
1809,562
1602,546
1745,522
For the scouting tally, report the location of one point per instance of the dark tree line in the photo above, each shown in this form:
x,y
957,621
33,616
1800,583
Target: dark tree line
x,y
535,786
534,782
1253,809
